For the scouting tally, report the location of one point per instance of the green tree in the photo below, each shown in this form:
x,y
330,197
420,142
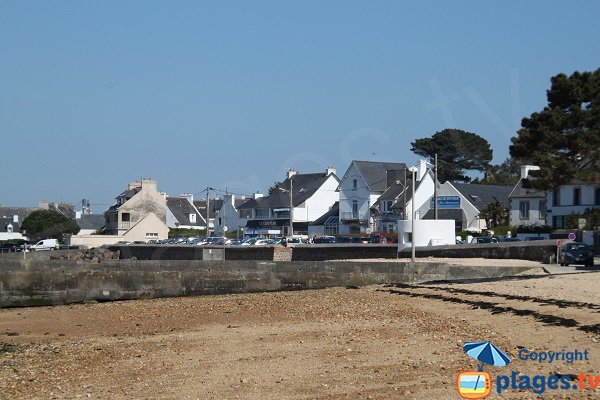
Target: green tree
x,y
494,214
564,138
506,174
44,224
458,151
273,188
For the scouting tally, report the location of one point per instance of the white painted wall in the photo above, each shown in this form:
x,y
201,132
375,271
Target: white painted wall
x,y
535,216
320,202
566,207
423,194
362,194
429,232
229,215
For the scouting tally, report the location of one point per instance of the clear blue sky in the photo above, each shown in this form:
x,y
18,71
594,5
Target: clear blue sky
x,y
94,94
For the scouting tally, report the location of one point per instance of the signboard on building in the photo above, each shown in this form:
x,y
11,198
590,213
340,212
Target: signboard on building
x,y
446,202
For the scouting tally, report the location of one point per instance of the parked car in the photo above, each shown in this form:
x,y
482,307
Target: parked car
x,y
262,242
46,244
324,240
484,239
576,253
235,242
511,239
378,239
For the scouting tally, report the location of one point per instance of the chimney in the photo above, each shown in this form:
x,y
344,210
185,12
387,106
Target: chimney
x,y
291,172
148,184
526,168
422,170
134,185
188,196
330,171
257,195
16,219
78,214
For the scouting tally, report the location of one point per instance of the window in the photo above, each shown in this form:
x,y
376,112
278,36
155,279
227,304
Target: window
x,y
576,196
262,212
542,209
354,184
152,235
556,197
332,230
125,217
193,218
558,222
245,213
524,209
354,209
220,223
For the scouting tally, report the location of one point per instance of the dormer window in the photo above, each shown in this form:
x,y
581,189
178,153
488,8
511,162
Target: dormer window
x,y
354,184
193,218
9,228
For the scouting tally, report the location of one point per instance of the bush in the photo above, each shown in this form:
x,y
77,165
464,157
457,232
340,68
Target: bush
x,y
534,229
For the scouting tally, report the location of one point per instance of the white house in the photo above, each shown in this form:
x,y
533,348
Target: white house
x,y
311,195
463,202
228,214
9,228
359,189
527,206
568,199
181,213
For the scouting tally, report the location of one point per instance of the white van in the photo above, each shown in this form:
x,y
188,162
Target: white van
x,y
46,244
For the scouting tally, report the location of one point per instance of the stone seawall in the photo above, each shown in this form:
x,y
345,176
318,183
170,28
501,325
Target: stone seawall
x,y
37,282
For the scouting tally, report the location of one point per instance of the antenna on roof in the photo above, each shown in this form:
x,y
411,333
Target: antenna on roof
x,y
373,154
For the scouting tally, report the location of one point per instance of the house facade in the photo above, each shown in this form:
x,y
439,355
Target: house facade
x,y
360,187
463,202
311,195
228,215
182,214
139,200
527,206
568,199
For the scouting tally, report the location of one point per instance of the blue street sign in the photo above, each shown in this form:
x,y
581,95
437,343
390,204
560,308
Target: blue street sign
x,y
446,202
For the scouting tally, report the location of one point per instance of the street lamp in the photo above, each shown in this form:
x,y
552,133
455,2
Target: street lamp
x,y
412,201
290,191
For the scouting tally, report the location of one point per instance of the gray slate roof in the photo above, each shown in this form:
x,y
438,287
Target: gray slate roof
x,y
456,214
375,173
304,186
22,212
91,221
333,212
4,222
482,195
521,192
181,208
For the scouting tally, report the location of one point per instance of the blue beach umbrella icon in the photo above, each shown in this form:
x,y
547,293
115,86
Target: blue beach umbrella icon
x,y
486,353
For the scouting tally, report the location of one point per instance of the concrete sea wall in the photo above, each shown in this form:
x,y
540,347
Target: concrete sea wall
x,y
50,282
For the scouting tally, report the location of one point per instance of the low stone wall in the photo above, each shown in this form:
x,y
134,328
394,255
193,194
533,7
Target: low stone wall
x,y
539,250
34,282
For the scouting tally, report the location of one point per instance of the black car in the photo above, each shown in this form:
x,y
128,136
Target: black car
x,y
576,253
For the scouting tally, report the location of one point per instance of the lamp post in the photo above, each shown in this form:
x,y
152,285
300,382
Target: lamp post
x,y
290,191
413,212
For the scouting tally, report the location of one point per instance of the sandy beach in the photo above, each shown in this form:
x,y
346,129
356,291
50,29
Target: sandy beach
x,y
377,342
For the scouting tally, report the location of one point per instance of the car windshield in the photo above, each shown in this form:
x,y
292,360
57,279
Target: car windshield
x,y
578,247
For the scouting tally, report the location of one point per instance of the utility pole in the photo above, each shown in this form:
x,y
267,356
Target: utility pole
x,y
435,190
404,216
291,207
207,211
414,214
